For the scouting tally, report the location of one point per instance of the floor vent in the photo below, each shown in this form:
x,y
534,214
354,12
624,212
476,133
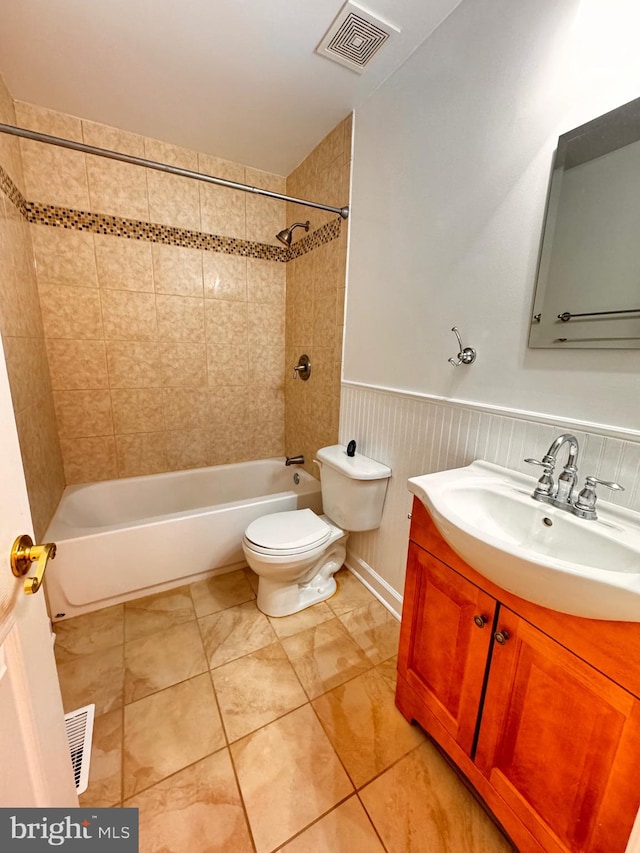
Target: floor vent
x,y
355,37
79,725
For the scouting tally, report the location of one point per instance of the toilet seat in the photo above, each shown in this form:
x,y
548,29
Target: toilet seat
x,y
287,533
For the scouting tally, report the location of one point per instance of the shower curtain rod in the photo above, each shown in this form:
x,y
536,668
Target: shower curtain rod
x,y
162,167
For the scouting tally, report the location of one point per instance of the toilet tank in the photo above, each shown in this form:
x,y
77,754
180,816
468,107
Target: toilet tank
x,y
353,488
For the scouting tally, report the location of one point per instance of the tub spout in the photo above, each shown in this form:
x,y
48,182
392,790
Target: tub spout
x,y
294,460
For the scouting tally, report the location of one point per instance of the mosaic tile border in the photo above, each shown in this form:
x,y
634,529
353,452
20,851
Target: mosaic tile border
x,y
12,192
134,229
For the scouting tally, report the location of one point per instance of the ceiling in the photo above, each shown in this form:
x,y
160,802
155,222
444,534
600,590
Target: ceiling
x,y
235,78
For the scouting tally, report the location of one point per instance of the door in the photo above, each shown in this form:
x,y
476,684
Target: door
x,y
444,645
559,742
36,767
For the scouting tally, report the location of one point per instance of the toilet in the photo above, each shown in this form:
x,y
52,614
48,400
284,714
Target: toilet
x,y
296,553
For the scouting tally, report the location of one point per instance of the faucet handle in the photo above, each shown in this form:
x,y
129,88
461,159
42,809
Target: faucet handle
x,y
586,502
544,486
547,465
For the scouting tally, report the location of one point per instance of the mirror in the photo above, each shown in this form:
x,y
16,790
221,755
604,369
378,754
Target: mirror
x,y
588,286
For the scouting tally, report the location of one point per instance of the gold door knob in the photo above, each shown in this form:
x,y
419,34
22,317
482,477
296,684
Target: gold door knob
x,y
23,553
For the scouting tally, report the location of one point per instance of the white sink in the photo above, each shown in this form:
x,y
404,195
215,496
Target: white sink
x,y
534,550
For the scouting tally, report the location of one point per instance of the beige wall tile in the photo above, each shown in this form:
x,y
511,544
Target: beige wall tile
x,y
113,139
77,364
117,189
222,211
41,460
183,365
180,318
173,155
123,264
141,453
226,322
225,276
27,369
266,281
133,364
129,315
227,364
83,413
267,364
48,121
266,180
173,200
89,459
64,257
137,410
176,270
185,408
265,324
219,168
229,407
187,449
71,312
265,218
54,175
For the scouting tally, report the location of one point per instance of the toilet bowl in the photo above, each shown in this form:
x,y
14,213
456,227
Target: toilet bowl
x,y
296,553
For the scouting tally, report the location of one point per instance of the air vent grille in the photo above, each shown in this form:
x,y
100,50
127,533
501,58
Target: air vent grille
x,y
79,726
355,37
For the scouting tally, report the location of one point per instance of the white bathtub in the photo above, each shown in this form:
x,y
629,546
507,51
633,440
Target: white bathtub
x,y
121,539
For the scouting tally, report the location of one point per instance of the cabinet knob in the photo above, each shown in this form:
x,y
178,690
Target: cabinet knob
x,y
501,637
480,620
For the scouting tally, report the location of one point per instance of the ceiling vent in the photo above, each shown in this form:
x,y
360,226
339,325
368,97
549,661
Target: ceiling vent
x,y
355,37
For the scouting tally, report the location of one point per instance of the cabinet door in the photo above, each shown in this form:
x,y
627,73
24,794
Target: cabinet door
x,y
559,742
443,651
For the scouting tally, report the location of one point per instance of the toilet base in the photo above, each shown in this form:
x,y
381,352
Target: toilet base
x,y
276,598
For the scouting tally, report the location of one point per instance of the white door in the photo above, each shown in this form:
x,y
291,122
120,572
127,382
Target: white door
x,y
35,767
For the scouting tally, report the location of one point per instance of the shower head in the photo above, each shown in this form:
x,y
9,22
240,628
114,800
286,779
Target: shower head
x,y
285,235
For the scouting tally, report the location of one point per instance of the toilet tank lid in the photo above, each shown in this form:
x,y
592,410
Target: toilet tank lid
x,y
356,467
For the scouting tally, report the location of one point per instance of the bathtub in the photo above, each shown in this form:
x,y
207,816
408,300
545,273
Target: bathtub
x,y
122,539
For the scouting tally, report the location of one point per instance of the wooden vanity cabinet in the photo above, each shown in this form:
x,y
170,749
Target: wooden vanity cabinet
x,y
549,740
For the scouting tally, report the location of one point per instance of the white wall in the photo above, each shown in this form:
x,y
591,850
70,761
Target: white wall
x,y
451,166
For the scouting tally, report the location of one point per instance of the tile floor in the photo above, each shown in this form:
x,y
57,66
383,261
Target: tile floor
x,y
235,732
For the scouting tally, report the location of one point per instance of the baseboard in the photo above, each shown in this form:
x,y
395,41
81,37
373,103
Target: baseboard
x,y
385,593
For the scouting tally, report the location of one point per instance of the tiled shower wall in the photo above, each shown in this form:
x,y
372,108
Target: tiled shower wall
x,y
315,300
162,357
23,341
417,435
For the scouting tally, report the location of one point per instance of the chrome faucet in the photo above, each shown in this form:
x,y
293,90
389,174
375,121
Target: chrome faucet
x,y
294,460
561,494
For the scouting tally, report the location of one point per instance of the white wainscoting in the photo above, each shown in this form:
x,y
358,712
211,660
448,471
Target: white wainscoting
x,y
416,434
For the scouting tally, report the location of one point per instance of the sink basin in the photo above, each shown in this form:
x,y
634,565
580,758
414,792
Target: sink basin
x,y
534,550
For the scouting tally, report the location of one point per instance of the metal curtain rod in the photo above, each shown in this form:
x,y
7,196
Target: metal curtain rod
x,y
162,167
567,315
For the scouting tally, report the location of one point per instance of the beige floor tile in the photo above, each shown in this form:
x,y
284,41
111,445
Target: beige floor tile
x,y
420,805
346,829
253,579
374,629
105,770
198,810
388,669
324,657
289,775
365,727
235,632
167,731
159,660
220,592
287,626
96,678
351,593
255,690
91,632
157,612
